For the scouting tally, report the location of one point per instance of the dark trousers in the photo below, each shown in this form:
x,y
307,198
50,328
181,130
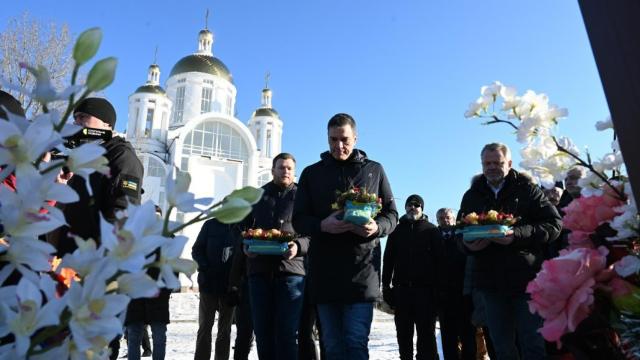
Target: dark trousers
x,y
306,342
276,303
209,305
454,312
416,307
244,326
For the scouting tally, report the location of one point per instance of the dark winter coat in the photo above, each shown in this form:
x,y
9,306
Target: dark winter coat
x,y
110,193
411,254
508,268
274,211
213,251
149,310
451,263
343,267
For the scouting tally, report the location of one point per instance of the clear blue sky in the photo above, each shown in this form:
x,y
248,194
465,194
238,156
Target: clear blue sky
x,y
406,70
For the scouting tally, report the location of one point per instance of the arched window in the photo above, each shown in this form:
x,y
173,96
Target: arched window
x,y
216,139
264,178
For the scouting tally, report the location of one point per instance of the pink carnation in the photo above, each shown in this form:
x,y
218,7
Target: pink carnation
x,y
562,292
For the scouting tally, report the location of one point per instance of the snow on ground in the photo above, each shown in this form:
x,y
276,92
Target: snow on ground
x,y
181,333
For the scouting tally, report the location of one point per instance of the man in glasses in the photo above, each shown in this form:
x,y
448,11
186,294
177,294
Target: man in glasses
x,y
409,265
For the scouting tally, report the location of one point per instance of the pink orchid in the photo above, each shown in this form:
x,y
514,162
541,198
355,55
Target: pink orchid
x,y
562,292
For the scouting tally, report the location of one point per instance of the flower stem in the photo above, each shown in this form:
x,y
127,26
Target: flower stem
x,y
589,166
497,120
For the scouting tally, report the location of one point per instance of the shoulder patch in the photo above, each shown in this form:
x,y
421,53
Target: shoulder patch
x,y
130,185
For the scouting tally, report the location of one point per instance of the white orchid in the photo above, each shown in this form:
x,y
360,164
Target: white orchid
x,y
178,194
137,285
169,263
25,255
43,91
20,149
130,244
87,159
492,91
25,212
85,258
94,313
591,185
28,316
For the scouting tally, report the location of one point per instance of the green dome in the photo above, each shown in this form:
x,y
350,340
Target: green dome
x,y
151,89
266,112
201,63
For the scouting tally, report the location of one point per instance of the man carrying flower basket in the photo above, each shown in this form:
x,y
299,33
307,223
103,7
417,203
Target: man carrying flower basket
x,y
276,279
345,280
504,265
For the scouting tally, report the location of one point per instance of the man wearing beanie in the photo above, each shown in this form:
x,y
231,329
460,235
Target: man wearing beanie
x,y
110,193
409,264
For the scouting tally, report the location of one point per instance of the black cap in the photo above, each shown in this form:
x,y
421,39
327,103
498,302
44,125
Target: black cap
x,y
11,104
99,108
415,198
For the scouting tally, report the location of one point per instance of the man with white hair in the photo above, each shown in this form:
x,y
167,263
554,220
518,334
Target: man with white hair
x,y
503,266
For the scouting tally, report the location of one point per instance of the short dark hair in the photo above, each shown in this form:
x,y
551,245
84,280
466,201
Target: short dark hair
x,y
283,156
341,119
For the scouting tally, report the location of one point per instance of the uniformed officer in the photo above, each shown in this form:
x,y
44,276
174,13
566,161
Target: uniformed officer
x,y
110,193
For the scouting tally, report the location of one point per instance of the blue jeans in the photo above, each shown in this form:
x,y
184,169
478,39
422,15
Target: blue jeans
x,y
345,330
276,305
508,315
158,334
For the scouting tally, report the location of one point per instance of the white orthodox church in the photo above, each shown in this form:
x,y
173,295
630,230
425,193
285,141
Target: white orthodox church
x,y
191,125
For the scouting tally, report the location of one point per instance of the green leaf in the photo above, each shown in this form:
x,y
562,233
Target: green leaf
x,y
87,45
248,193
102,74
233,210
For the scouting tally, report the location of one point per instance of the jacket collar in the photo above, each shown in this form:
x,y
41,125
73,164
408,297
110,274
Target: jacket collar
x,y
357,157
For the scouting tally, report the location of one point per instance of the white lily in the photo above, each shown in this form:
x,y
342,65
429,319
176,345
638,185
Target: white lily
x,y
94,314
29,316
178,194
170,263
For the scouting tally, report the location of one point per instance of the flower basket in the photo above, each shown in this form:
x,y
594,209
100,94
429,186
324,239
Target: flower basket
x,y
359,213
266,247
491,224
474,232
267,242
359,206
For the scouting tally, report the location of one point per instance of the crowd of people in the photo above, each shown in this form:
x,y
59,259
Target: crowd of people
x,y
333,272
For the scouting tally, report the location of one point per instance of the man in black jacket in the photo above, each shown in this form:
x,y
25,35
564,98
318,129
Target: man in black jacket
x,y
454,307
410,259
213,251
110,193
503,266
345,281
276,282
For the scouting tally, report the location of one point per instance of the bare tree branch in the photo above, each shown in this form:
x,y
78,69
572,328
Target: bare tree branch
x,y
27,40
